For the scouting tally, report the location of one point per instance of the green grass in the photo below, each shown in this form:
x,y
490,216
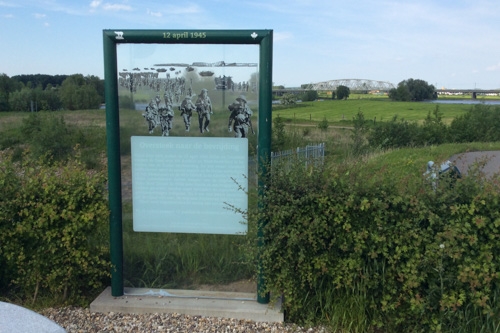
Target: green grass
x,y
341,112
402,163
173,260
469,97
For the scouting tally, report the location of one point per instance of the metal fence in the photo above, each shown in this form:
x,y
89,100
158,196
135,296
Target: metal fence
x,y
310,154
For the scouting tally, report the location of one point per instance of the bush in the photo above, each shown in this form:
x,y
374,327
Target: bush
x,y
347,247
279,135
481,123
52,222
359,141
413,90
433,131
323,125
342,92
48,136
309,96
395,133
288,99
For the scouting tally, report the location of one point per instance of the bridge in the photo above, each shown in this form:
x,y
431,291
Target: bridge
x,y
365,86
473,92
355,85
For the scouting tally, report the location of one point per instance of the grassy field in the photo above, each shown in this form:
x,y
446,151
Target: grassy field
x,y
164,260
401,163
341,112
386,96
336,112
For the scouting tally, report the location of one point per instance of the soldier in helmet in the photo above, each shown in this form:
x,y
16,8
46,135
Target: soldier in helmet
x,y
166,115
186,109
204,109
240,118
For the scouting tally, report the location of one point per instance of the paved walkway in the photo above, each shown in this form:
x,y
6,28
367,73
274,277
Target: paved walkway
x,y
16,319
466,160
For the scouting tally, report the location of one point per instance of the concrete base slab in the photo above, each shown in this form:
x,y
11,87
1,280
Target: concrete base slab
x,y
189,302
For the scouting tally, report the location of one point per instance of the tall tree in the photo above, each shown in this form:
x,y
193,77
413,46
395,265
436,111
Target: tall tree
x,y
7,87
43,79
343,92
413,90
309,95
78,93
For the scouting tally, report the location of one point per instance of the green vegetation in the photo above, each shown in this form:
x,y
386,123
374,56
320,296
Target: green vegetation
x,y
367,249
288,99
53,136
342,92
323,125
480,124
413,90
185,261
53,230
341,112
50,93
309,96
362,244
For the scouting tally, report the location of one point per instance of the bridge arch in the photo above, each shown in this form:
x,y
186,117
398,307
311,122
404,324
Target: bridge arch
x,y
353,84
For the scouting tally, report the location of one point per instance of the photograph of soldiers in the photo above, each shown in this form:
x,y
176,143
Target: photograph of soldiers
x,y
204,109
240,118
151,113
166,114
186,109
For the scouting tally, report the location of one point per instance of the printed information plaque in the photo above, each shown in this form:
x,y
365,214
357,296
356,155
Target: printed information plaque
x,y
187,184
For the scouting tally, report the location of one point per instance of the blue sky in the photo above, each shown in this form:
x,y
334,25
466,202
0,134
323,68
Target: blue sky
x,y
452,44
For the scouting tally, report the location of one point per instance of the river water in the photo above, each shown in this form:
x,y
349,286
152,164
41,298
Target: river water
x,y
463,101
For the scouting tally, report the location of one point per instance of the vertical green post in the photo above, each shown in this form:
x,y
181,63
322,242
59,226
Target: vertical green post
x,y
264,154
114,168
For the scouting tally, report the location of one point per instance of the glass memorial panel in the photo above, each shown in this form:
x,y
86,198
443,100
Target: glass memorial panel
x,y
166,178
188,140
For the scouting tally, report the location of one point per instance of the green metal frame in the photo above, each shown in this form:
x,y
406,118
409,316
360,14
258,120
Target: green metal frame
x,y
264,38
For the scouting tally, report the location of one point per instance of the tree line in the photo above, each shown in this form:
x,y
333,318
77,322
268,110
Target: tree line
x,y
41,92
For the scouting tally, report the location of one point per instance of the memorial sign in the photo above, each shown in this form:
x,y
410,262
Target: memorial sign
x,y
189,184
194,105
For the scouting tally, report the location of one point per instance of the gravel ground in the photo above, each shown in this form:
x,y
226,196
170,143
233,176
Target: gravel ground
x,y
75,319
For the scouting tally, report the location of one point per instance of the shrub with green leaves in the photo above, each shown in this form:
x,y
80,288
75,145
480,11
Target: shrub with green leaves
x,y
323,125
394,133
309,96
53,222
48,136
362,251
479,124
288,99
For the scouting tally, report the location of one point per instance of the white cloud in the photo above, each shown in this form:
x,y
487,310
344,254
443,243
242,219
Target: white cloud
x,y
116,7
46,24
156,14
493,68
8,16
39,16
7,4
95,3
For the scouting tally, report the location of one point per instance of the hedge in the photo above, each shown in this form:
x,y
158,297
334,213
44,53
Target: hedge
x,y
347,246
